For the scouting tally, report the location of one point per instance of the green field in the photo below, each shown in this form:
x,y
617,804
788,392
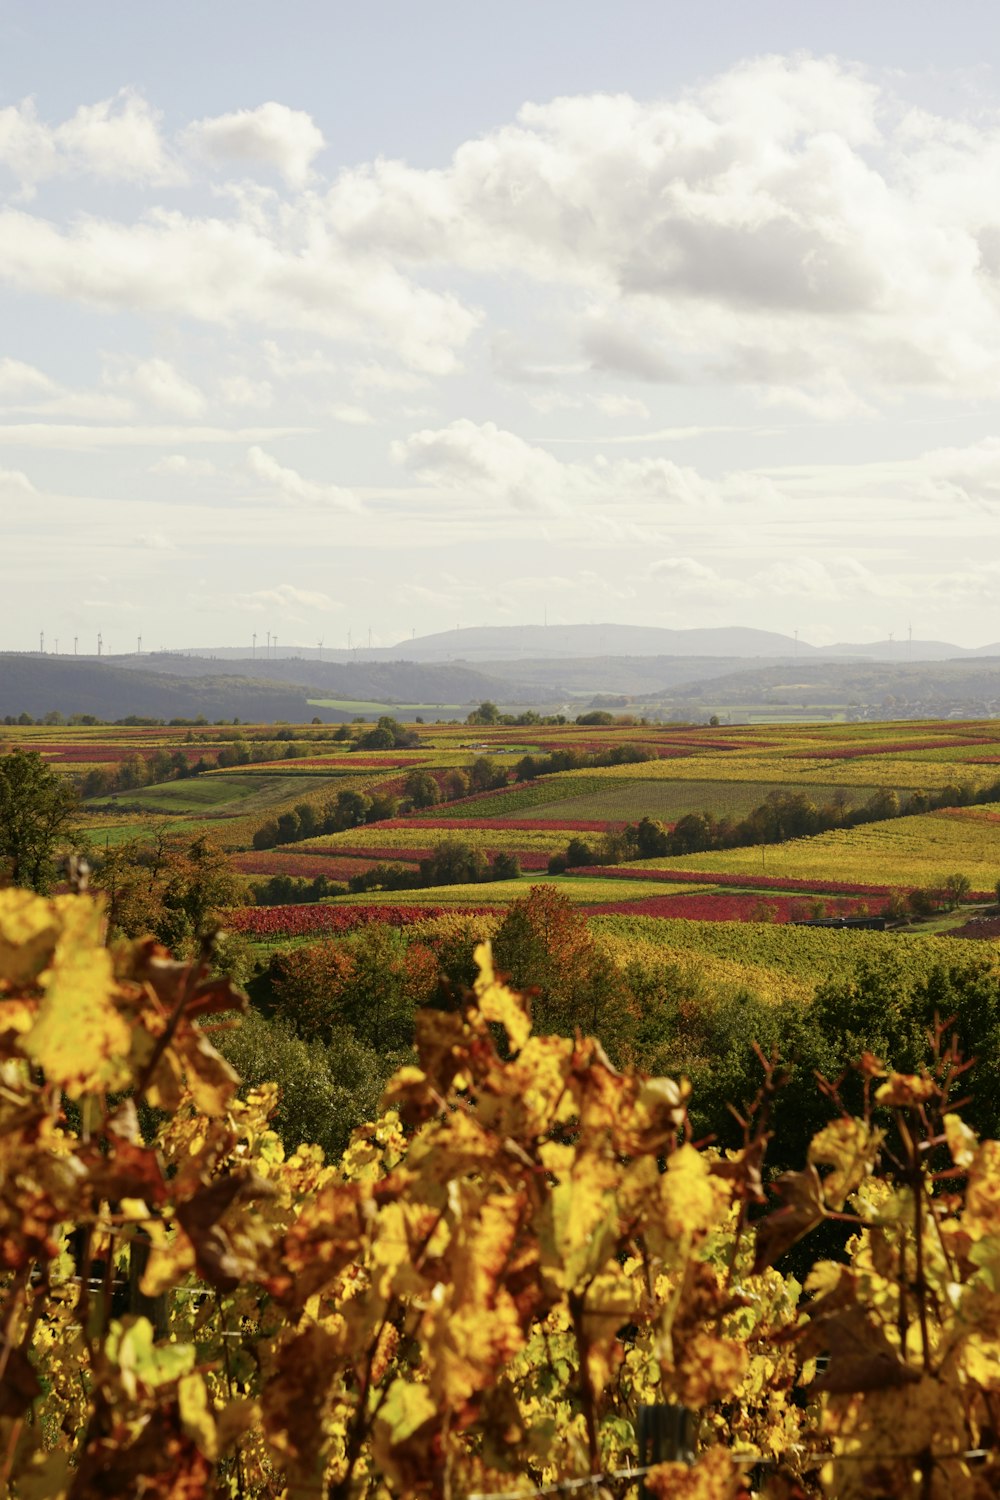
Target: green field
x,y
240,793
810,955
393,710
902,852
627,802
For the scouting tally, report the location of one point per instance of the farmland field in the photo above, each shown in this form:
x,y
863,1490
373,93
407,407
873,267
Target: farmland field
x,y
913,851
627,801
231,784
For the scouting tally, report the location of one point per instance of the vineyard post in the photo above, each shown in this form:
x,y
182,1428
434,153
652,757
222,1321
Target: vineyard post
x,y
665,1434
153,1308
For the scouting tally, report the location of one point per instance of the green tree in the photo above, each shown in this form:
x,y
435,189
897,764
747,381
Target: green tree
x,y
957,889
422,789
37,806
486,713
198,883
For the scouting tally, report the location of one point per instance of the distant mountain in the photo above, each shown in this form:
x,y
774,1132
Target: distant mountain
x,y
508,644
487,643
38,685
966,687
904,651
362,681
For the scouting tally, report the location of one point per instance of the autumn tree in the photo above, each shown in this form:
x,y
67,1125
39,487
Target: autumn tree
x,y
37,806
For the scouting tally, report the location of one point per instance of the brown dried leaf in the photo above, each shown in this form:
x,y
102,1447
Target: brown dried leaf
x,y
801,1211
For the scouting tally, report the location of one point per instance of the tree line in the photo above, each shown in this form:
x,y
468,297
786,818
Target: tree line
x,y
780,817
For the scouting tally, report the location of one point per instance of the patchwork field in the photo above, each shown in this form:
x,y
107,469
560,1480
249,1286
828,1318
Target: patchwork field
x,y
900,853
301,802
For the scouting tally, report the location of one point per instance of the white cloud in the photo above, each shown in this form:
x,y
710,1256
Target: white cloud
x,y
158,383
686,575
375,376
154,541
354,416
239,390
482,462
292,488
183,467
116,139
621,406
272,135
18,379
14,482
287,599
784,224
289,272
788,225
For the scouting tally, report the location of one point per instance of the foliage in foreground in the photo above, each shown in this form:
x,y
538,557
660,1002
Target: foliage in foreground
x,y
481,1294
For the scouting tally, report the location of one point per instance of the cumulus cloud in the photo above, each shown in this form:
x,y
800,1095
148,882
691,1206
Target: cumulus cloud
x,y
286,598
271,135
159,384
789,208
19,380
182,466
15,482
115,139
239,390
686,575
293,488
285,272
483,462
788,225
351,414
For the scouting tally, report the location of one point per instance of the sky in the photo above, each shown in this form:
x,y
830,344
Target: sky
x,y
328,319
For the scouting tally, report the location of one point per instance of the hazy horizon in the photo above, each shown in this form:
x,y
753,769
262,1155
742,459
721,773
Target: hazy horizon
x,y
391,319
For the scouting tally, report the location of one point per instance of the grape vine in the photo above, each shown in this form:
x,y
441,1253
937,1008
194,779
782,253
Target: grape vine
x,y
520,1255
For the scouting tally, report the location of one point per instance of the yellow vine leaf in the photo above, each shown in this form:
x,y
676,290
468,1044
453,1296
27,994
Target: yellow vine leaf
x,y
962,1140
407,1407
195,1410
982,1199
905,1089
80,1038
497,1003
693,1200
879,1436
850,1147
29,929
713,1477
141,1362
710,1368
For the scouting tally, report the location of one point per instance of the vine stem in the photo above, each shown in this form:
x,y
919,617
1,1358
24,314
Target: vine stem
x,y
576,1308
16,1294
8,1459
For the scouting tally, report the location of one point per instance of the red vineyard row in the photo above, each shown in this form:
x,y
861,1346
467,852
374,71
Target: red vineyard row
x,y
518,825
724,908
307,920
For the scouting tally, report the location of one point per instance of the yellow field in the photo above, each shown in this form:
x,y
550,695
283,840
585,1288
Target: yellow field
x,y
903,852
